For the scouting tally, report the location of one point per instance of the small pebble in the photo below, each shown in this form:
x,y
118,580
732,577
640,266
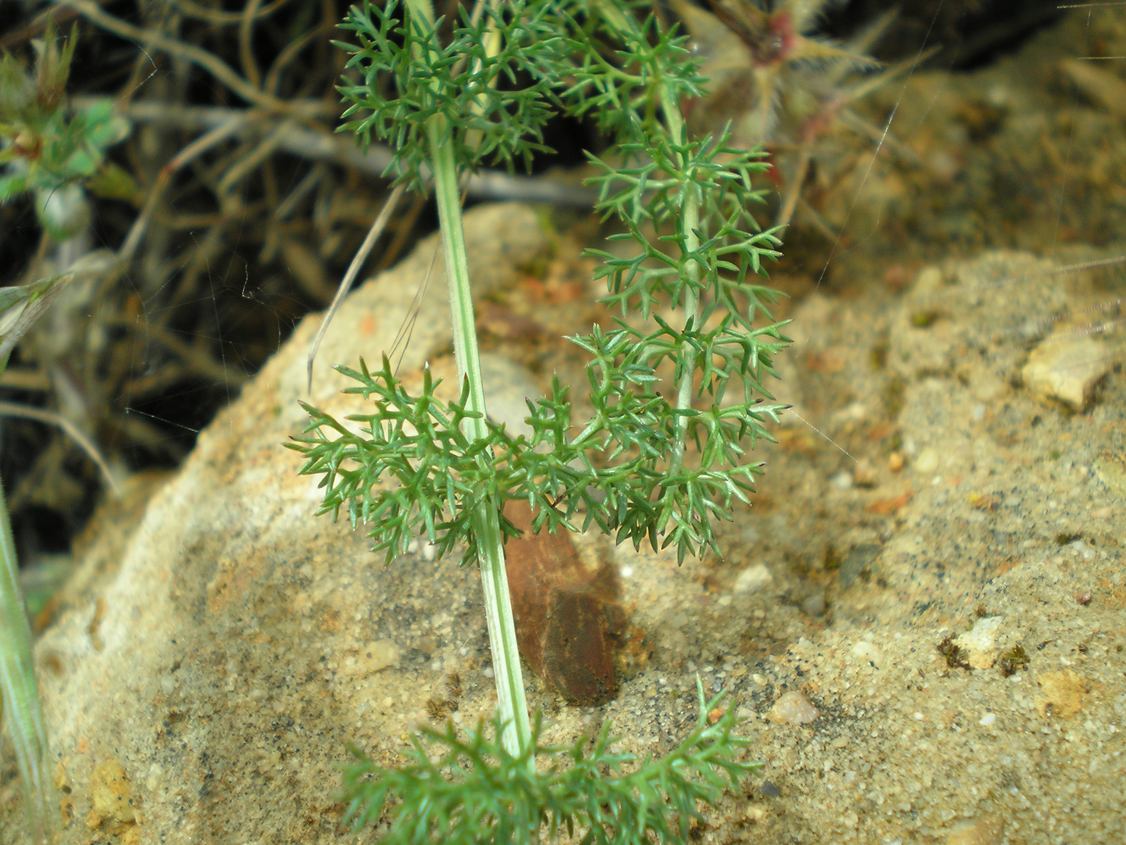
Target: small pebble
x,y
753,579
755,814
1110,469
792,708
927,461
983,831
864,474
814,604
769,790
1066,368
1082,549
980,643
896,461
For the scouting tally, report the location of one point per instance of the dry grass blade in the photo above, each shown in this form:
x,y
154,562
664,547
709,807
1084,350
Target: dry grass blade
x,y
11,409
350,277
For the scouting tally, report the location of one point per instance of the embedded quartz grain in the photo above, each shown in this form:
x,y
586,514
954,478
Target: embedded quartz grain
x,y
979,831
981,642
753,579
111,797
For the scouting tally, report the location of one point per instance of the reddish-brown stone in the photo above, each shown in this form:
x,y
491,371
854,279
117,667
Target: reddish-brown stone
x,y
569,621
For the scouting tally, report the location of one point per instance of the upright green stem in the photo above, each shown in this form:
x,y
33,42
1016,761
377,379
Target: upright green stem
x,y
512,706
20,693
486,523
689,226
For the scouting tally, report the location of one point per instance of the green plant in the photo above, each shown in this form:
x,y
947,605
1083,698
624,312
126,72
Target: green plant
x,y
474,790
677,390
48,150
20,709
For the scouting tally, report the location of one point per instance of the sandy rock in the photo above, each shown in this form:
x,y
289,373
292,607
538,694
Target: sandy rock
x,y
231,723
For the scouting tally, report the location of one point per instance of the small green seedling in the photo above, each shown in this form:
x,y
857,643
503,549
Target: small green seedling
x,y
676,387
49,150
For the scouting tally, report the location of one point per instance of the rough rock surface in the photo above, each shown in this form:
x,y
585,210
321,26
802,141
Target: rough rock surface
x,y
220,646
216,656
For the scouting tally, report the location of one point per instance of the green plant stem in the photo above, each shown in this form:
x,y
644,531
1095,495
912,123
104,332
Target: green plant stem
x,y
20,693
511,704
689,224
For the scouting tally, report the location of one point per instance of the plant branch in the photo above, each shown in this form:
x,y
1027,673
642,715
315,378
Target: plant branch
x,y
689,224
